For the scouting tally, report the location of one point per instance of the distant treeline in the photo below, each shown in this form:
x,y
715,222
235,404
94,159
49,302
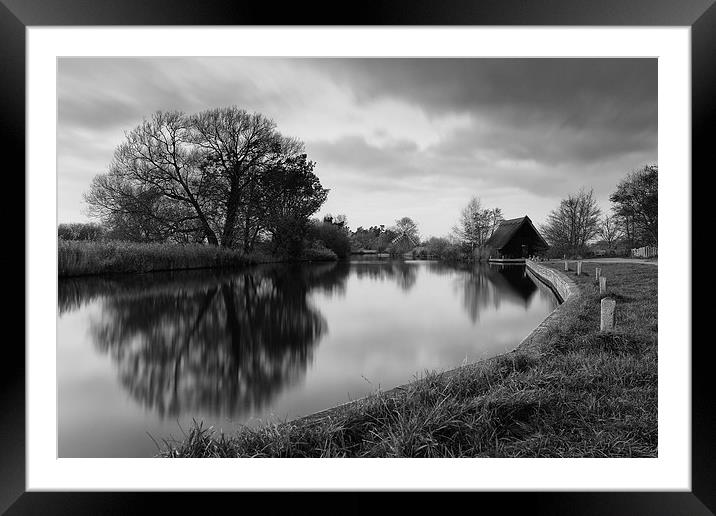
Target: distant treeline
x,y
576,227
466,243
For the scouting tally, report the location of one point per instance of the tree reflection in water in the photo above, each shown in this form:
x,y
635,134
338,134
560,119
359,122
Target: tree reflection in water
x,y
484,285
225,344
481,285
403,273
217,343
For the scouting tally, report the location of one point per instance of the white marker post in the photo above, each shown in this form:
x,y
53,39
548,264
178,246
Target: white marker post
x,y
579,268
566,266
602,284
608,311
598,272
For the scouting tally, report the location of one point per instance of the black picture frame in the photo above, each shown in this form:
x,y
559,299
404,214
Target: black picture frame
x,y
16,15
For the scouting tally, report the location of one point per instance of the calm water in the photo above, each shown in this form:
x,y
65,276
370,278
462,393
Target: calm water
x,y
144,354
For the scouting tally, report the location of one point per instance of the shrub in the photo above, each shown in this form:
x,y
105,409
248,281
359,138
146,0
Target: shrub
x,y
436,246
319,253
443,249
420,253
287,236
333,236
453,253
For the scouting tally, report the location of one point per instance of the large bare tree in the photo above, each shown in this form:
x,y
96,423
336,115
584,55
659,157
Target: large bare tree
x,y
155,175
208,177
609,230
477,224
574,223
240,146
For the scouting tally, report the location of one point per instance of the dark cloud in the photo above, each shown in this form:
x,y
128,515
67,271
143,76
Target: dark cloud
x,y
546,144
578,93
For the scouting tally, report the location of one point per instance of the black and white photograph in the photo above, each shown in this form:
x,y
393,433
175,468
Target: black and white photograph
x,y
412,247
371,257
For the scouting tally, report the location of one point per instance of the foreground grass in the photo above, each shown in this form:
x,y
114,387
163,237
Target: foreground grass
x,y
581,394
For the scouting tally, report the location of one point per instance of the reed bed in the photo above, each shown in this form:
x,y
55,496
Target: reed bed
x,y
81,258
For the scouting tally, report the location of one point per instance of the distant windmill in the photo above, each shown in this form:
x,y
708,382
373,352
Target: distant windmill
x,y
406,233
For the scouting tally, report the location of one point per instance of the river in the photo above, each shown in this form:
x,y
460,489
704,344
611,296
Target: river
x,y
143,355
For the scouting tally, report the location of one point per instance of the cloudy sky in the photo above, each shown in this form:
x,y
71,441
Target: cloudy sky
x,y
390,137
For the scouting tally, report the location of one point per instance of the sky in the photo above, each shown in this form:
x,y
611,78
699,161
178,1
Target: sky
x,y
390,137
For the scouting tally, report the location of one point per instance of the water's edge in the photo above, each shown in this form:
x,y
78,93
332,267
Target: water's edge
x,y
563,287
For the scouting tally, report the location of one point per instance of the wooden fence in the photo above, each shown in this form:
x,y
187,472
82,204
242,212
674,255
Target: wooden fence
x,y
644,252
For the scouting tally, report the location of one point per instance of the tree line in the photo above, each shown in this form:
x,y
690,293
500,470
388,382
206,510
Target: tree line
x,y
633,221
396,239
466,242
576,227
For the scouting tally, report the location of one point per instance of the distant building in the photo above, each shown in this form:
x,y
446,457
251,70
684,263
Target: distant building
x,y
403,243
516,239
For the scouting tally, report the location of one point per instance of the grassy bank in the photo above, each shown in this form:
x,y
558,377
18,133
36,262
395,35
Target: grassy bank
x,y
78,258
581,393
83,258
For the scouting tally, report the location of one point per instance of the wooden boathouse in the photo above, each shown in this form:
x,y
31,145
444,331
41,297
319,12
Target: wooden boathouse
x,y
514,240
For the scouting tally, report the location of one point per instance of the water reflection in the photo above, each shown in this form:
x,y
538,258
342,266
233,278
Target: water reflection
x,y
489,285
513,282
220,343
228,343
403,273
137,353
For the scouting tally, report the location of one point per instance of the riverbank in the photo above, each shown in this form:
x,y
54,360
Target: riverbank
x,y
572,392
84,258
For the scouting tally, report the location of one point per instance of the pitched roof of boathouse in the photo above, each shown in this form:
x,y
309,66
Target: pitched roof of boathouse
x,y
508,228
